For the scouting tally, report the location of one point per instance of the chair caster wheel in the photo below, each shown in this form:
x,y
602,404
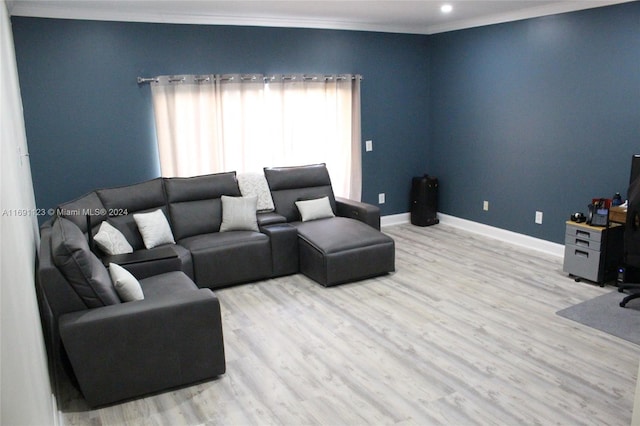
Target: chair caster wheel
x,y
622,304
620,289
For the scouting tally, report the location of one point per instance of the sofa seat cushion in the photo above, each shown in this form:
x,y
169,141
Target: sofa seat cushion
x,y
220,239
225,258
339,250
332,235
167,283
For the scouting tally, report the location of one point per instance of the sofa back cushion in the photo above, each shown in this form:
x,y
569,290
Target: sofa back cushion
x,y
291,184
122,202
83,270
194,202
77,211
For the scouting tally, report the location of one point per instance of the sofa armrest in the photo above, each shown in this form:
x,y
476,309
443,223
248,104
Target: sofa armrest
x,y
363,212
284,248
269,218
130,349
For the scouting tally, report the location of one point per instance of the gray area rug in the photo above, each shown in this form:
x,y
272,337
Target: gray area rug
x,y
604,313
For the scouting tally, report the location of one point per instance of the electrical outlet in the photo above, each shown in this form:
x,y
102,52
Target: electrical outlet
x,y
539,218
381,198
368,145
485,206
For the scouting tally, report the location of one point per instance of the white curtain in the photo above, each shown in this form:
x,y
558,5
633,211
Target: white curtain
x,y
208,124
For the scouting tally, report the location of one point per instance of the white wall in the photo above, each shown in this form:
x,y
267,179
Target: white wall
x,y
25,391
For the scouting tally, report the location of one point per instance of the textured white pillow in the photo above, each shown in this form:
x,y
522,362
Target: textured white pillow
x,y
239,214
111,241
319,208
154,228
255,185
127,286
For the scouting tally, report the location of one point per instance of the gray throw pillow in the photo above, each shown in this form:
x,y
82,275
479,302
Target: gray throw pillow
x,y
319,208
80,266
154,228
126,285
111,240
239,214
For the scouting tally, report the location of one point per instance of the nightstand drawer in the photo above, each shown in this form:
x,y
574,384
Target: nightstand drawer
x,y
582,262
582,242
584,232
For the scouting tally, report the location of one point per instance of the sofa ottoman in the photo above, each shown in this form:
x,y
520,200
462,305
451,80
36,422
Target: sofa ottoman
x,y
339,250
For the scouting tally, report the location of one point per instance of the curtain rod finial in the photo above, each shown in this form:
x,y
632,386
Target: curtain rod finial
x,y
143,80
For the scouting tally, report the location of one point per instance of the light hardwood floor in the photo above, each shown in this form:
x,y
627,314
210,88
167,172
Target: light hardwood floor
x,y
463,333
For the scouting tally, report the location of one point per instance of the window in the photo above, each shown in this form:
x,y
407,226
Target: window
x,y
209,124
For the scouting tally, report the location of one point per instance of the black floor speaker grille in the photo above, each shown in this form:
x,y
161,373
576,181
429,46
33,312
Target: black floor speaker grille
x,y
424,200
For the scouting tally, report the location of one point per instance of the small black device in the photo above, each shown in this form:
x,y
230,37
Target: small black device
x,y
598,213
620,280
578,217
424,200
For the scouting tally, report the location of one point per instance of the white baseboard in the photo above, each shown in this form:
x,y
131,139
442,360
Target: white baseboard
x,y
486,230
395,219
57,415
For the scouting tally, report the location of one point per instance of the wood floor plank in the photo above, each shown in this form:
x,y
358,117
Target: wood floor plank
x,y
464,332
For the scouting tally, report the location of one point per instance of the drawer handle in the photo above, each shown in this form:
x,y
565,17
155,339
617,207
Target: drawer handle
x,y
583,233
582,253
583,243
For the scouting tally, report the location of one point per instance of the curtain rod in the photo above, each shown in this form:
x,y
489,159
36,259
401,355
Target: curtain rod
x,y
247,77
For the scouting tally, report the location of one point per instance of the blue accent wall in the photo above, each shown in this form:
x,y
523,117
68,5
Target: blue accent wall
x,y
541,114
90,125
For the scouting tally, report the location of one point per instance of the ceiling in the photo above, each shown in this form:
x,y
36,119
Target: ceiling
x,y
415,17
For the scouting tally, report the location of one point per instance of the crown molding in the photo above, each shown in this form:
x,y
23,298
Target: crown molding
x,y
69,10
534,12
66,11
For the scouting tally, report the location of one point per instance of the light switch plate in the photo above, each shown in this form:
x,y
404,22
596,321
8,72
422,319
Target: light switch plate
x,y
539,218
368,145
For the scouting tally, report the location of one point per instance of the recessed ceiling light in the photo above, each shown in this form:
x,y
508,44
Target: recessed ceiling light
x,y
446,8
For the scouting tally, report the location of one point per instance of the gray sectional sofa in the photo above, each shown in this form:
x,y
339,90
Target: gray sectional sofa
x,y
184,237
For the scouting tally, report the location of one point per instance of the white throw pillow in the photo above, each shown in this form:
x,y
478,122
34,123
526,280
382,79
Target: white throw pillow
x,y
127,286
154,228
111,241
239,214
319,208
255,185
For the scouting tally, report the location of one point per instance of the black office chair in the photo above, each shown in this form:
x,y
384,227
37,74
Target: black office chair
x,y
632,233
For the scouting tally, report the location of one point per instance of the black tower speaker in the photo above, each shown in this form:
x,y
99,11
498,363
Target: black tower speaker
x,y
424,200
